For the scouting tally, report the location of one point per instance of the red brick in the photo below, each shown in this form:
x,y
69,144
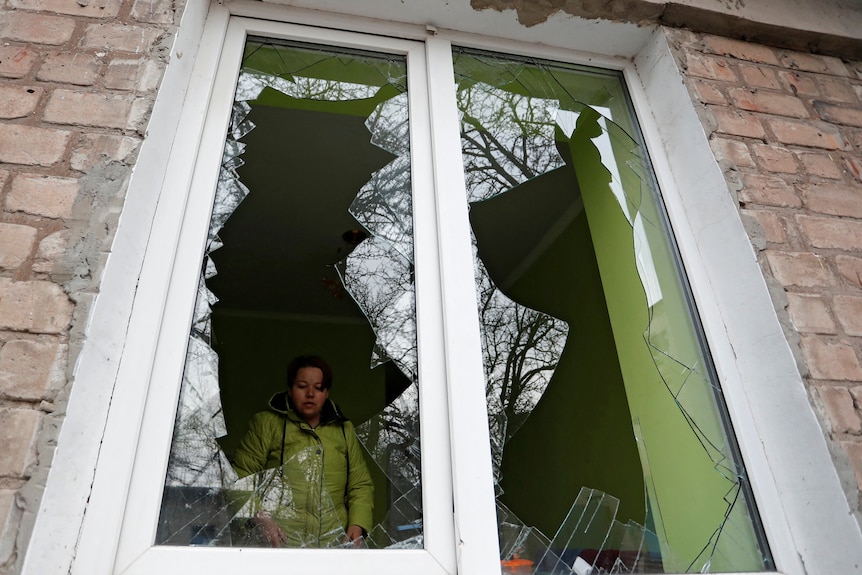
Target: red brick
x,y
153,11
737,123
15,61
88,109
776,159
843,416
30,370
813,63
831,233
820,165
831,360
149,76
32,146
94,148
17,436
740,50
759,76
711,68
8,516
37,28
811,134
48,196
77,68
768,102
708,93
851,268
87,8
799,84
733,151
140,113
17,242
833,199
34,306
120,37
838,90
51,249
846,115
848,310
122,74
854,167
810,314
18,101
802,269
854,453
764,190
773,225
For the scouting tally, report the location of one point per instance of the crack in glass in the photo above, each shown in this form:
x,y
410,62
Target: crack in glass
x,y
524,123
205,503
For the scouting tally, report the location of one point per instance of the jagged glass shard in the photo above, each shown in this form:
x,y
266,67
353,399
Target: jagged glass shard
x,y
594,363
204,502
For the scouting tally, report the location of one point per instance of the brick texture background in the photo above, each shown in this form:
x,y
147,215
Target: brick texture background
x,y
77,81
786,128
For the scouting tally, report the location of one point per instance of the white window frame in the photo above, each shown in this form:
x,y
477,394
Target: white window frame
x,y
799,498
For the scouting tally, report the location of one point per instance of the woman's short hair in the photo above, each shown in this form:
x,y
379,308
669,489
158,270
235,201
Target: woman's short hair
x,y
298,363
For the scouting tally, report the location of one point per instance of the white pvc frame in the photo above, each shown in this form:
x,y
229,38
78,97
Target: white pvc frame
x,y
183,219
801,503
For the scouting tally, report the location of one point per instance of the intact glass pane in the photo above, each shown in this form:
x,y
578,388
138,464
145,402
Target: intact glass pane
x,y
310,252
611,446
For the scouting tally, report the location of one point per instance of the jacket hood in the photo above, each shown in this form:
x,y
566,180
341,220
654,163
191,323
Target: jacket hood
x,y
281,403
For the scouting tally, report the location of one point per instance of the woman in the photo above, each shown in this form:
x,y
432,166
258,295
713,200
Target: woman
x,y
323,495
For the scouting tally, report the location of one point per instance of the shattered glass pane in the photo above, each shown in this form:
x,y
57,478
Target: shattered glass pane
x,y
598,387
312,220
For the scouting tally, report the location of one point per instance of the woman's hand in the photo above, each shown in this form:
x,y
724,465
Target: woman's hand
x,y
270,529
355,534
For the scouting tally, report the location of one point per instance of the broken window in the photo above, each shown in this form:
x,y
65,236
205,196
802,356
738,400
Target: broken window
x,y
611,446
309,251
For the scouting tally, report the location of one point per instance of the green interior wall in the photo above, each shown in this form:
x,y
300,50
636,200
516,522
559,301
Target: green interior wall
x,y
253,355
686,492
580,433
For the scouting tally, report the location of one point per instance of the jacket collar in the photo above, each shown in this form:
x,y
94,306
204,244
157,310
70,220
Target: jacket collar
x,y
281,403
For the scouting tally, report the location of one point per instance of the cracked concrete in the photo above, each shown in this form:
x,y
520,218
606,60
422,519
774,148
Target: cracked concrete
x,y
786,24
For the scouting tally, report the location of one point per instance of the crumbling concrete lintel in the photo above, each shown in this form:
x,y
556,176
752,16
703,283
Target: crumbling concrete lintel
x,y
790,24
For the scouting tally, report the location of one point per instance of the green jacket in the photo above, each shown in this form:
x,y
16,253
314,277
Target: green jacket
x,y
323,484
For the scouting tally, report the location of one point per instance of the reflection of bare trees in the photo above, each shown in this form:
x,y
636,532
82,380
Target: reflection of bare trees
x,y
380,280
202,494
392,439
521,348
378,274
506,139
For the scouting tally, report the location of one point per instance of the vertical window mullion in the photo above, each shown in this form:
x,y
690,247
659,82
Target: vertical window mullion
x,y
436,479
475,512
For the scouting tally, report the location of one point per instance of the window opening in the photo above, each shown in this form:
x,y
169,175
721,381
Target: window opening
x,y
310,249
609,440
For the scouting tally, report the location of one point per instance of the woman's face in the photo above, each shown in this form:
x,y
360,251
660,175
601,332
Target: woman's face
x,y
308,394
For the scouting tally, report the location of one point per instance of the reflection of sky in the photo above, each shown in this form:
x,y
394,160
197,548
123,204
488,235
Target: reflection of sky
x,y
507,139
252,83
567,121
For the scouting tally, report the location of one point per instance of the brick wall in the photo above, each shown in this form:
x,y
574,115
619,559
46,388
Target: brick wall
x,y
786,128
77,81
